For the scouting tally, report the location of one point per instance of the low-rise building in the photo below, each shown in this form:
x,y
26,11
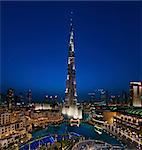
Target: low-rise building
x,y
12,127
127,127
45,117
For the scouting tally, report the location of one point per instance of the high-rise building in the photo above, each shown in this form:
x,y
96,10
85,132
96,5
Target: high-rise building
x,y
70,93
124,97
70,107
10,98
21,98
29,96
104,96
136,94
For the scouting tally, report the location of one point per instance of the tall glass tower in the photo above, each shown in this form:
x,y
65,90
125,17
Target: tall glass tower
x,y
70,93
70,107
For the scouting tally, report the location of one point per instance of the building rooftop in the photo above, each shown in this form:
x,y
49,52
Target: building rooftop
x,y
137,112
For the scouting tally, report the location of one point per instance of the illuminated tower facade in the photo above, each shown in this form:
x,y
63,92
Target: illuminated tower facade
x,y
70,108
136,94
70,93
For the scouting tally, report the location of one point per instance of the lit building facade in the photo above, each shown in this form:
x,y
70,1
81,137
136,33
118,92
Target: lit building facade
x,y
11,122
12,127
130,127
42,106
136,94
126,125
5,118
42,118
128,121
70,93
70,107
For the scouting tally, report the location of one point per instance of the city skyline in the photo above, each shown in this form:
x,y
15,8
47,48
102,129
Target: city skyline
x,y
71,75
107,45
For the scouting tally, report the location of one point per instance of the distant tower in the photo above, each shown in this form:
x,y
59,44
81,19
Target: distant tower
x,y
70,93
46,101
124,97
104,96
10,98
21,98
29,96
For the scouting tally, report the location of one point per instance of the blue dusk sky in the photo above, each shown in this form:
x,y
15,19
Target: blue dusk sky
x,y
35,36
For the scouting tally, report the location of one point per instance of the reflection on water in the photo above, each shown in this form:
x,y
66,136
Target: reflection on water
x,y
85,129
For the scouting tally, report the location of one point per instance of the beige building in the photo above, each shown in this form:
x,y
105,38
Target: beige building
x,y
5,118
12,127
45,117
5,142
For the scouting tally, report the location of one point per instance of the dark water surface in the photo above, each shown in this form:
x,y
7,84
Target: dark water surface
x,y
84,129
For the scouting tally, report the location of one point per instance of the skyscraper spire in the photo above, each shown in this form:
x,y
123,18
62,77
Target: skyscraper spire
x,y
71,22
70,107
70,93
